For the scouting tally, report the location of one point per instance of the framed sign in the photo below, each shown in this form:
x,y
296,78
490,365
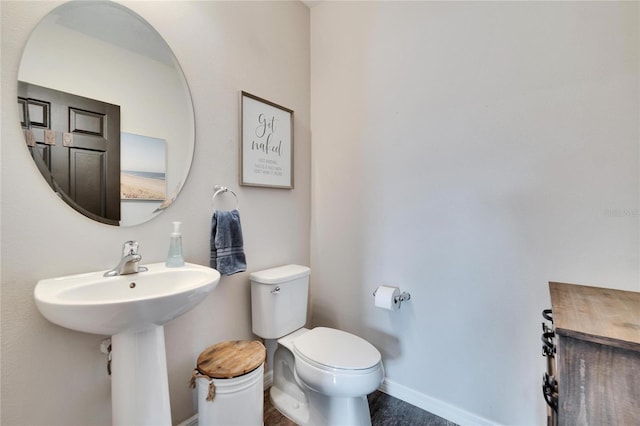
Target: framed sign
x,y
266,154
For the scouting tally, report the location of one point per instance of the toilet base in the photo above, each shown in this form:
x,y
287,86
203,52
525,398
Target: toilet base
x,y
286,394
324,410
292,408
306,407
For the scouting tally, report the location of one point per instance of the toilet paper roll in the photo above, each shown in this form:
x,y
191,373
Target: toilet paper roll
x,y
386,298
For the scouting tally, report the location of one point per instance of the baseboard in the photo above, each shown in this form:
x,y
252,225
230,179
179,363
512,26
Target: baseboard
x,y
432,405
427,403
191,421
268,379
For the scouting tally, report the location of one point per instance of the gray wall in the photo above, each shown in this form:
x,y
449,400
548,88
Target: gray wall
x,y
55,376
470,152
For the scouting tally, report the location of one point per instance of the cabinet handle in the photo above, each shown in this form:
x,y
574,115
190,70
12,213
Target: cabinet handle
x,y
550,391
548,347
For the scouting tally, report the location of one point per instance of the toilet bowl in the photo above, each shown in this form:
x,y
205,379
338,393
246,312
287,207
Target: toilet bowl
x,y
321,376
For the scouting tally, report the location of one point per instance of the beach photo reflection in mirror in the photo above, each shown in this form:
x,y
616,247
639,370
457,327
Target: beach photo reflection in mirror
x,y
83,52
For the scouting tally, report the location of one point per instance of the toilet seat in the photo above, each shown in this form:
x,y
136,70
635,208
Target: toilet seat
x,y
327,347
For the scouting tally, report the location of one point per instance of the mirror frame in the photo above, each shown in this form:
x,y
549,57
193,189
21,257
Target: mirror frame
x,y
176,174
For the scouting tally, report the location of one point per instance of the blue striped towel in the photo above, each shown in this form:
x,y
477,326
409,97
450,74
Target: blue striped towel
x,y
227,247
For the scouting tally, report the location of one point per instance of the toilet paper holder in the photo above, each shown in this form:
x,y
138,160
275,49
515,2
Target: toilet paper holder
x,y
403,297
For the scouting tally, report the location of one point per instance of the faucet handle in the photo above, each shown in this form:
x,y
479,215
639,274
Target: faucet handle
x,y
129,248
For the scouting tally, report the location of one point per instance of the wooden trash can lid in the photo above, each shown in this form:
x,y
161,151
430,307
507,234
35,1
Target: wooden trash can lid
x,y
231,359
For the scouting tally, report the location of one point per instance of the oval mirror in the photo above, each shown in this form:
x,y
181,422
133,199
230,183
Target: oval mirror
x,y
106,112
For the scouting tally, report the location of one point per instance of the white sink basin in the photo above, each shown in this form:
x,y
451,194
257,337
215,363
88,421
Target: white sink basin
x,y
96,304
133,310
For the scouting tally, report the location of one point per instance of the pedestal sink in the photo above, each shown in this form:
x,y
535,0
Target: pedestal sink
x,y
133,310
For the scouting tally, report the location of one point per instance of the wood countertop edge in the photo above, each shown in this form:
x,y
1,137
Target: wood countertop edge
x,y
583,312
603,340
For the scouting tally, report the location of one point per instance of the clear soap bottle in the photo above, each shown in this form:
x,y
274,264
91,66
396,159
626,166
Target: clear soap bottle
x,y
175,258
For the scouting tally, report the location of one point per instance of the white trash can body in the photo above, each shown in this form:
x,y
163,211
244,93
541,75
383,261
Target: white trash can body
x,y
237,402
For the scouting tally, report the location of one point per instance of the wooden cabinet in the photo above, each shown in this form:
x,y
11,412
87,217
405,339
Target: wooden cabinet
x,y
598,355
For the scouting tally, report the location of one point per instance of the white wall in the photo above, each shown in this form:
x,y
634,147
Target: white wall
x,y
54,376
466,152
470,152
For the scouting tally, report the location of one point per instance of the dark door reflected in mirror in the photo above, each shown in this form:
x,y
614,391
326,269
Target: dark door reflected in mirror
x,y
76,143
106,112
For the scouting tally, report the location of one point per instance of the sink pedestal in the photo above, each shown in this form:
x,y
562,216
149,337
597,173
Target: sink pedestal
x,y
139,382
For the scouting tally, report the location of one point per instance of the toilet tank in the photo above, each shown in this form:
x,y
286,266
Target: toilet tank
x,y
279,300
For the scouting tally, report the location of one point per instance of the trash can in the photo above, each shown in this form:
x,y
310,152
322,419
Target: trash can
x,y
230,382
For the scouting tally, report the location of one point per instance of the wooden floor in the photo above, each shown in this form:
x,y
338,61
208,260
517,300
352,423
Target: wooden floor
x,y
385,411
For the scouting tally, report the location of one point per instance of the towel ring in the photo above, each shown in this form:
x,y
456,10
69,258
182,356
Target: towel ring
x,y
221,190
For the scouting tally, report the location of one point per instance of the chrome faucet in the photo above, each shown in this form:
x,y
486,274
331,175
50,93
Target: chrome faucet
x,y
129,262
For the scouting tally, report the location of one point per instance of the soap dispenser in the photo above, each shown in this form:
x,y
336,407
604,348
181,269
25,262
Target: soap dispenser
x,y
175,258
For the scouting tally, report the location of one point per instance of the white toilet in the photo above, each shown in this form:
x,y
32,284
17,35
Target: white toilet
x,y
320,376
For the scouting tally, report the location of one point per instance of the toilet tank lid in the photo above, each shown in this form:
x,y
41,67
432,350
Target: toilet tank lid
x,y
279,274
